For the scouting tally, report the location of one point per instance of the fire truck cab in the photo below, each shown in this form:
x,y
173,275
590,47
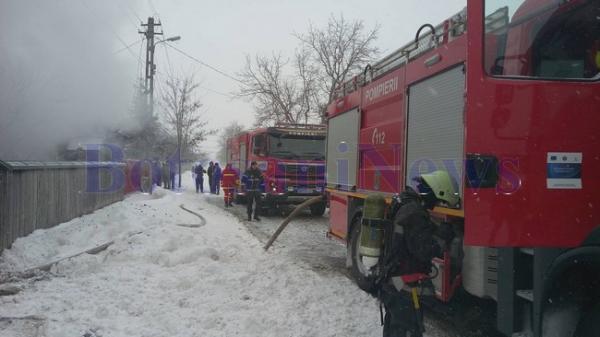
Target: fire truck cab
x,y
503,96
292,158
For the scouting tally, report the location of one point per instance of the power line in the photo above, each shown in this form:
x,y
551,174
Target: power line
x,y
91,12
128,46
132,21
182,52
170,72
170,69
152,7
206,64
163,75
124,44
140,62
216,92
134,12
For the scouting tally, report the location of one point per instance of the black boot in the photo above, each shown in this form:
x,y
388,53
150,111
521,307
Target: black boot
x,y
249,217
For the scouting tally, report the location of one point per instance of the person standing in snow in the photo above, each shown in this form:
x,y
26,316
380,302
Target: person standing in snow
x,y
199,172
217,178
253,179
209,173
229,182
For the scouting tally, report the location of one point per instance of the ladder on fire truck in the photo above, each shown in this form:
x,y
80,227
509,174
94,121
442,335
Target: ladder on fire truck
x,y
443,33
300,126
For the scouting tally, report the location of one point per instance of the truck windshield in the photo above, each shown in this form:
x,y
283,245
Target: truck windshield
x,y
297,147
554,39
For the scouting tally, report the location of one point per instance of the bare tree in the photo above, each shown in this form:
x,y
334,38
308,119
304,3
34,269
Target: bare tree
x,y
339,50
280,96
326,58
229,131
181,111
309,95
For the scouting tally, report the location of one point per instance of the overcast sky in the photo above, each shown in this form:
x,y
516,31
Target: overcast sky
x,y
62,72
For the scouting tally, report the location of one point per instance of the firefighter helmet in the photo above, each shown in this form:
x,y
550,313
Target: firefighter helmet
x,y
443,186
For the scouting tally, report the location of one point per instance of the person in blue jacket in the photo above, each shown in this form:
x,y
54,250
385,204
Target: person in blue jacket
x,y
253,180
217,178
199,172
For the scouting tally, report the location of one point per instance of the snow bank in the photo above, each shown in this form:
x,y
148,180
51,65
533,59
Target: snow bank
x,y
160,279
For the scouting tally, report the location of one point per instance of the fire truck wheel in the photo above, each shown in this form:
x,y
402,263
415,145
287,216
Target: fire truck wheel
x,y
588,325
317,209
561,319
270,210
573,306
358,270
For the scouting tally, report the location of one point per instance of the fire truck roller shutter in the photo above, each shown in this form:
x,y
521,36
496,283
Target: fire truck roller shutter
x,y
435,134
342,150
240,199
243,158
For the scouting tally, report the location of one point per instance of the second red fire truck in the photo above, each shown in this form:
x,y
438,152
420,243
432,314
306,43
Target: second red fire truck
x,y
292,158
504,97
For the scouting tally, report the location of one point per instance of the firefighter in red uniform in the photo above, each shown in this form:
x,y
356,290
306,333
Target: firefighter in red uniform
x,y
229,183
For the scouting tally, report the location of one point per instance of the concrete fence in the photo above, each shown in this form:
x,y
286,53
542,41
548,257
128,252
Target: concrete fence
x,y
36,195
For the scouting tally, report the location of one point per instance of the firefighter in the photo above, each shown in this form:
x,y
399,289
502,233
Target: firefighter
x,y
199,172
209,173
253,180
229,183
414,242
217,178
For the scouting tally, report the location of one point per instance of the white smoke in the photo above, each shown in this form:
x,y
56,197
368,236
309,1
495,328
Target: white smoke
x,y
60,78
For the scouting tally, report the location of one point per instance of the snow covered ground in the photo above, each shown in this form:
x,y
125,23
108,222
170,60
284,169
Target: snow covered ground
x,y
163,279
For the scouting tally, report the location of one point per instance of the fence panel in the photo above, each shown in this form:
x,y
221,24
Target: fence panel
x,y
36,195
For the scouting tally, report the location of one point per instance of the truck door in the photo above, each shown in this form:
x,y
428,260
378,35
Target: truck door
x,y
242,157
435,132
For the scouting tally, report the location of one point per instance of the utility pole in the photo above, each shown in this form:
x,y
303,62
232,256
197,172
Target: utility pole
x,y
150,66
149,33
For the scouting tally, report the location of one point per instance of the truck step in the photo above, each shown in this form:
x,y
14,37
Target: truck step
x,y
527,251
526,294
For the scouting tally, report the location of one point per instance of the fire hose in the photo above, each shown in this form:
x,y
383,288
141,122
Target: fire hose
x,y
287,220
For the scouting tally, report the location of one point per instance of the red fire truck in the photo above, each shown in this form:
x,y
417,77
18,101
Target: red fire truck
x,y
503,96
292,157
